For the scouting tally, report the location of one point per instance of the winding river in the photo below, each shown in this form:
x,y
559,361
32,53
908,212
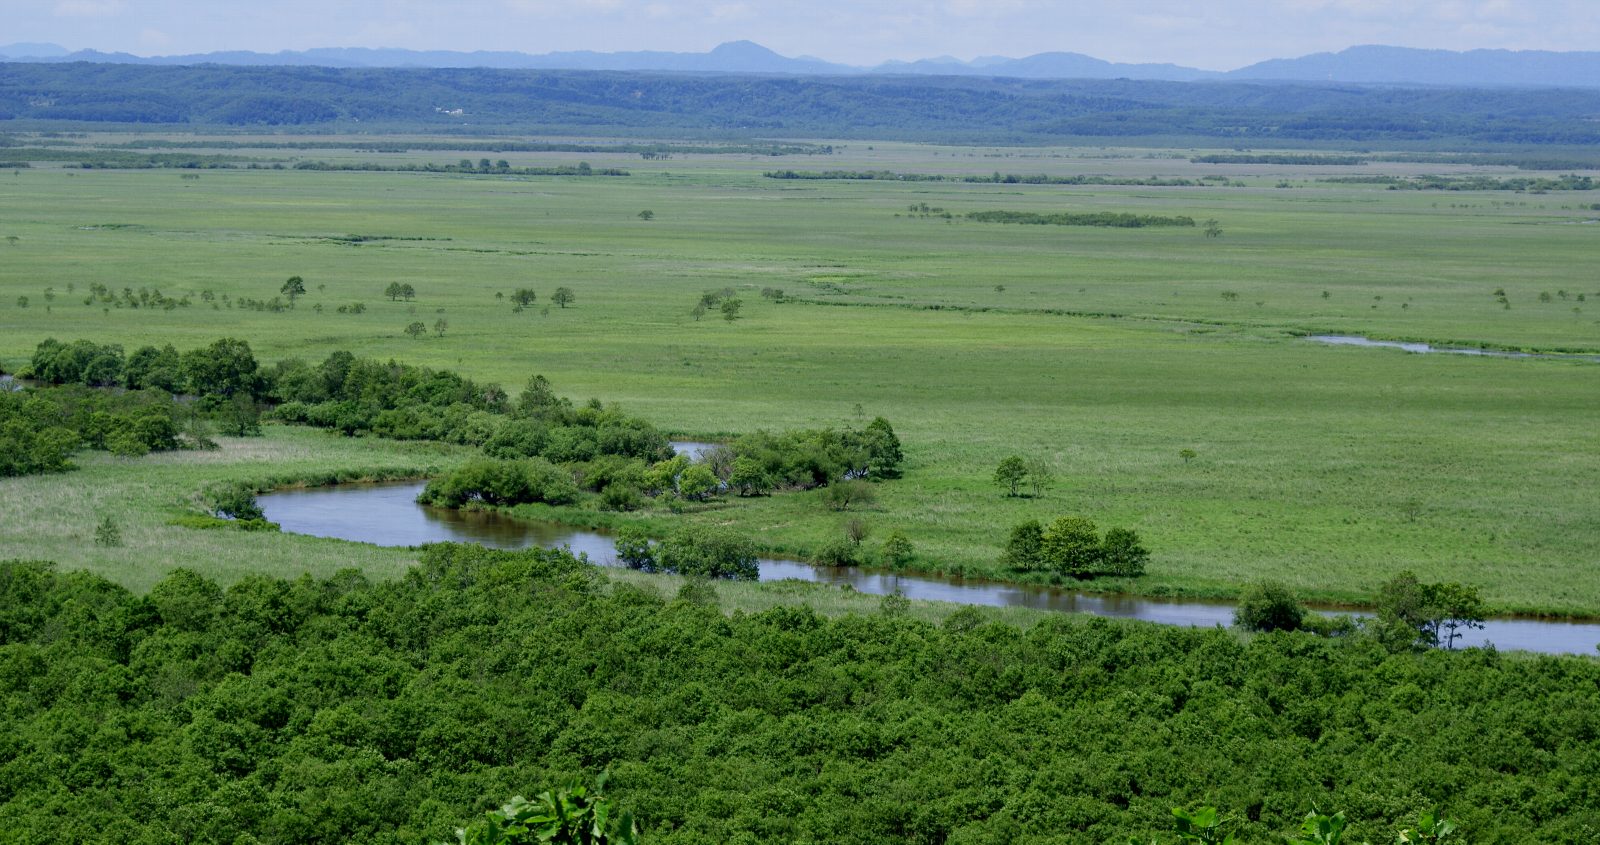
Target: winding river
x,y
1424,348
387,514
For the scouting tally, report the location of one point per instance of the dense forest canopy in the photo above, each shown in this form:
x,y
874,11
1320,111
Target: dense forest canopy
x,y
349,711
936,108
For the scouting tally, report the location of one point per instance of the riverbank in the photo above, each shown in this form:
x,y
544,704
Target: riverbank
x,y
388,514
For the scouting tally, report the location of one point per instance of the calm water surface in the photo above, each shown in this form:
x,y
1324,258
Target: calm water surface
x,y
388,515
1421,348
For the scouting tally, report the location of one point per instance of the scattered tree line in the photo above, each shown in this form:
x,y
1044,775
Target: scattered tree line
x,y
1280,158
1112,219
495,145
465,166
996,178
346,710
1410,614
40,427
540,448
1530,184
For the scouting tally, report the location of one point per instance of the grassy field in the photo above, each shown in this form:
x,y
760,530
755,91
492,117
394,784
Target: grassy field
x,y
1328,468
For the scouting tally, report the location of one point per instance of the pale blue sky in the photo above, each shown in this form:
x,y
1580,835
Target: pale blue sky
x,y
1212,34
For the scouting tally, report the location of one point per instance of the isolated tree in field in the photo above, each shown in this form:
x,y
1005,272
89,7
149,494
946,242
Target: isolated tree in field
x,y
896,551
108,533
563,297
524,297
698,311
440,325
1010,475
407,292
841,495
294,288
1187,455
647,214
730,309
1041,475
392,290
416,329
1213,228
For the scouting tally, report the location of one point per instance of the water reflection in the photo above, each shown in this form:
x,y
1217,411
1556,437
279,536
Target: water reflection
x,y
388,515
1422,348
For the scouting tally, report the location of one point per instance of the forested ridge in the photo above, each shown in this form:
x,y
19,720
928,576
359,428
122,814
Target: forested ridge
x,y
752,106
348,711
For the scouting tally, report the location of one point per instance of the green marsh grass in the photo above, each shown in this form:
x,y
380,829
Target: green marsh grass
x,y
1308,459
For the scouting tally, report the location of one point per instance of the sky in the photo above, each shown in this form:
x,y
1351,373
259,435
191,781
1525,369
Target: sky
x,y
1210,34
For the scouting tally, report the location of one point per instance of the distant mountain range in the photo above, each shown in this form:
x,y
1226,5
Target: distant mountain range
x,y
1370,64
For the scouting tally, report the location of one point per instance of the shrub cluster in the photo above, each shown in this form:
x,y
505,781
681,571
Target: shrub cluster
x,y
1072,546
41,427
697,550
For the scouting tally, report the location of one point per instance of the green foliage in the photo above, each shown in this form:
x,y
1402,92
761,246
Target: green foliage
x,y
1024,549
225,368
351,711
634,549
842,495
1321,829
1269,606
1071,546
563,296
1414,614
1109,219
747,478
1010,475
501,482
233,501
896,552
1432,828
108,533
1203,826
1122,553
697,482
707,552
239,417
838,551
566,816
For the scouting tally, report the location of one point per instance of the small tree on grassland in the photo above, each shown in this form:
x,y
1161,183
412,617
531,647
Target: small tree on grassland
x,y
416,329
563,297
841,495
1010,475
293,288
896,551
